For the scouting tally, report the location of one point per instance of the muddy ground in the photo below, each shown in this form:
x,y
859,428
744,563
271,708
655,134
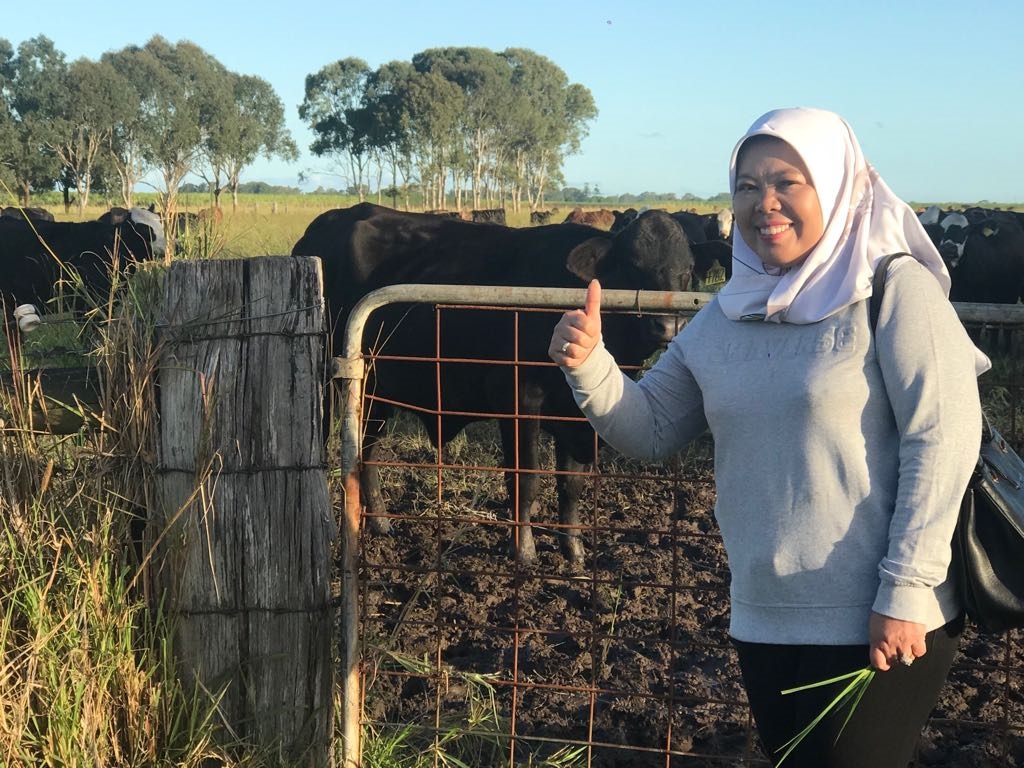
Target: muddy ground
x,y
628,657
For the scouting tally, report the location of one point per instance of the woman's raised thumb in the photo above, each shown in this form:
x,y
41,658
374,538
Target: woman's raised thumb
x,y
592,305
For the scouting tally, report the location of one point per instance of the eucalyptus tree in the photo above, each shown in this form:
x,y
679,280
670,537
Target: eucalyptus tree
x,y
6,119
30,87
547,123
92,97
500,123
185,94
250,122
485,81
434,107
387,104
126,140
335,110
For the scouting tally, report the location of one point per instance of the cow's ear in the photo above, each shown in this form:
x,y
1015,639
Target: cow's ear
x,y
584,258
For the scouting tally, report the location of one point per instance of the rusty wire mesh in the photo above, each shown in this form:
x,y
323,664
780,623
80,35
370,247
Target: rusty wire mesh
x,y
627,661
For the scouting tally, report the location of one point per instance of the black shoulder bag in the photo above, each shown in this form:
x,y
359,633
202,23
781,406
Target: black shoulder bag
x,y
988,544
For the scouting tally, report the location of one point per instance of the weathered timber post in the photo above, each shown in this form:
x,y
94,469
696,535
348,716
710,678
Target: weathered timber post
x,y
243,523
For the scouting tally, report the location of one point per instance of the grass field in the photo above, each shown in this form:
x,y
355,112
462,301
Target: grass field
x,y
266,225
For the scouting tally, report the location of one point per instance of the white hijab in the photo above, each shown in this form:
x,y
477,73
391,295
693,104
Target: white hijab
x,y
864,221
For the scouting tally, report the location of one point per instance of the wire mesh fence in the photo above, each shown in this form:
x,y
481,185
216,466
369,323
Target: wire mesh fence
x,y
468,654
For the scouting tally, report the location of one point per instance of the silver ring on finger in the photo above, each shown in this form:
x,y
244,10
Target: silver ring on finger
x,y
564,348
906,659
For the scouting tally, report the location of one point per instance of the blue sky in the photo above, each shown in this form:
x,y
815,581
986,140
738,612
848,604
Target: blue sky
x,y
934,90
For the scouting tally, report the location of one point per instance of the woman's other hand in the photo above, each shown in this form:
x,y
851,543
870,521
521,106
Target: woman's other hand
x,y
579,330
894,642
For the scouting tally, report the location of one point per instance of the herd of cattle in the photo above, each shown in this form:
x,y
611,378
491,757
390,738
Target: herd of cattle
x,y
984,251
366,247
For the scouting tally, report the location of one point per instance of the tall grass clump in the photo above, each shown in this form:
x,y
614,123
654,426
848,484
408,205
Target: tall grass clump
x,y
473,733
87,675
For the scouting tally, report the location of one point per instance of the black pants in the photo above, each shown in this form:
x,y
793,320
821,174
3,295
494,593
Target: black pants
x,y
886,725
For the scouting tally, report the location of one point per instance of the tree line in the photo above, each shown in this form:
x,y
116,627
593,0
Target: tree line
x,y
466,125
90,126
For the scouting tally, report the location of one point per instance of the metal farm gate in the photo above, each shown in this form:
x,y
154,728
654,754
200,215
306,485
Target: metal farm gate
x,y
450,646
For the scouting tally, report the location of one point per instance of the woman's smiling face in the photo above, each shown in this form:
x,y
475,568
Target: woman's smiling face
x,y
775,204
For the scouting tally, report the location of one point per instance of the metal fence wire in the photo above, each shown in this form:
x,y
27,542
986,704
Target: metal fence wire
x,y
453,649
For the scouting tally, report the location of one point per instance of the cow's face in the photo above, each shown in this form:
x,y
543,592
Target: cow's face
x,y
148,226
724,217
656,249
954,236
652,254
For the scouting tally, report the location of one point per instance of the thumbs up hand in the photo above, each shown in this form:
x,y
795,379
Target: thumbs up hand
x,y
579,330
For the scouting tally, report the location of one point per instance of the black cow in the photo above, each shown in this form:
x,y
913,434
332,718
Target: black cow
x,y
35,258
976,214
35,214
367,247
694,224
949,229
623,219
950,235
489,216
541,217
183,225
988,264
707,254
116,214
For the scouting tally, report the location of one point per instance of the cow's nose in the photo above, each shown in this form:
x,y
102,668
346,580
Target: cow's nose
x,y
950,250
665,327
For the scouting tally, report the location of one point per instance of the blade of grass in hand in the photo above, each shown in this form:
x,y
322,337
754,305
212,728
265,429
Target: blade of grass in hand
x,y
854,690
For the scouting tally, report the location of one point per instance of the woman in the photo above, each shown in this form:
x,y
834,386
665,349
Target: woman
x,y
841,454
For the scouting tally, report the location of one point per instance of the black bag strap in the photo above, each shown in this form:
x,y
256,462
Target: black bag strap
x,y
878,286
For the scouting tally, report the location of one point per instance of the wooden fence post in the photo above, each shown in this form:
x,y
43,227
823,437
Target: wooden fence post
x,y
243,522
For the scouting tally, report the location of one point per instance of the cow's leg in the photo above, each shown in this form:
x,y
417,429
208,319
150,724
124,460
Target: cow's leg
x,y
570,489
526,483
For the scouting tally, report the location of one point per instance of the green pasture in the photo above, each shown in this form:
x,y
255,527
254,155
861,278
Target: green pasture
x,y
257,227
269,225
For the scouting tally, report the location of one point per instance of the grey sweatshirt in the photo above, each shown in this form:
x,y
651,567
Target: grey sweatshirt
x,y
841,456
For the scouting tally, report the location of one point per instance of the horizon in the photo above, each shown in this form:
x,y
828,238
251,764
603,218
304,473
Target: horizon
x,y
673,95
